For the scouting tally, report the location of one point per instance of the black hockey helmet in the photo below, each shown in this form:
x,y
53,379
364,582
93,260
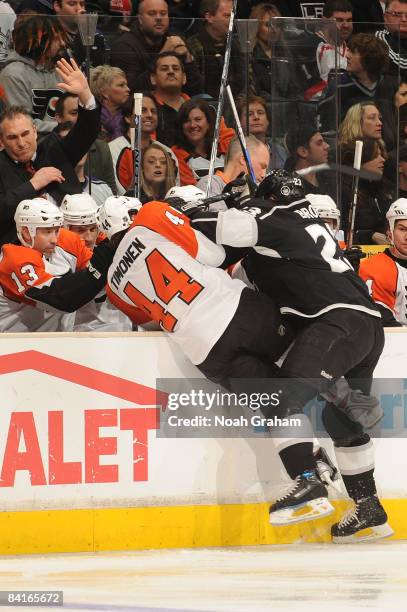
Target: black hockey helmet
x,y
281,186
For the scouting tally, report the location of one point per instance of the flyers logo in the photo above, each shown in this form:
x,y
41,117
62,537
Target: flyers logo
x,y
44,102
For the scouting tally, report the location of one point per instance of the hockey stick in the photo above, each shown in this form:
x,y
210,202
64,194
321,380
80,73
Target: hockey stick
x,y
251,179
357,160
135,139
341,169
221,97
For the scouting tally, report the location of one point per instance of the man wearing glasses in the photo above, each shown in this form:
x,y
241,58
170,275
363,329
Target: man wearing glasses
x,y
395,35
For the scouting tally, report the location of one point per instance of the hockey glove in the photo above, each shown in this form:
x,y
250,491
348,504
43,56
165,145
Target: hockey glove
x,y
101,259
189,209
358,407
354,255
234,192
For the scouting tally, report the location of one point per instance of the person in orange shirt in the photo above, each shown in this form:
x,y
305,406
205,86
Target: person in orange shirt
x,y
193,140
50,273
386,273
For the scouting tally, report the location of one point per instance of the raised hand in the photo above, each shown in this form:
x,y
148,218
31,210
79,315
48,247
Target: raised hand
x,y
73,80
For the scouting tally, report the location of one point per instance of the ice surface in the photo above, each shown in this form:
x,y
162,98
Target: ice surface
x,y
314,577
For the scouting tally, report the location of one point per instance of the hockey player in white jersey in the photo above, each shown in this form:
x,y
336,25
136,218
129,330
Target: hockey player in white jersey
x,y
165,270
80,213
49,273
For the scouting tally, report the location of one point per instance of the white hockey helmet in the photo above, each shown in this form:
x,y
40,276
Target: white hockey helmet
x,y
79,209
325,207
133,204
114,216
36,213
188,193
396,212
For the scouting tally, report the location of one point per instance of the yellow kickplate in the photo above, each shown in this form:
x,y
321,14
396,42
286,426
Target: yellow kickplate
x,y
51,531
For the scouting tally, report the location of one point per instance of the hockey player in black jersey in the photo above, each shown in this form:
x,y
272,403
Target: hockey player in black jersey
x,y
295,260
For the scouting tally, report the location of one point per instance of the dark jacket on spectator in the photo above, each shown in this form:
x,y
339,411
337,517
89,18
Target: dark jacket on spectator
x,y
366,15
63,154
372,204
345,90
274,78
167,121
133,54
209,55
397,47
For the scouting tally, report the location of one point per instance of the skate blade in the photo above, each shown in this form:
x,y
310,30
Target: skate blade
x,y
314,509
365,535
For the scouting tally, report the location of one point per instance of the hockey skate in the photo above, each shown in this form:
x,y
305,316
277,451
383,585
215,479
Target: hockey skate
x,y
305,501
326,470
367,521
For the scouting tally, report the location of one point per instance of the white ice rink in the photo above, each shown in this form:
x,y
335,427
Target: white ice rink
x,y
318,578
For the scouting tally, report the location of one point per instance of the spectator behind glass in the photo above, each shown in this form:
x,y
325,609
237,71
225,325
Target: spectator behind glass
x,y
120,147
307,147
28,76
67,12
7,19
259,126
157,173
395,36
367,16
168,79
109,86
396,164
196,122
361,120
99,188
208,47
134,51
332,51
373,200
367,61
273,72
66,112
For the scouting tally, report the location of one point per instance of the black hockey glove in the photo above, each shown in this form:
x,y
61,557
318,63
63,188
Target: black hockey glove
x,y
101,259
189,209
234,191
354,255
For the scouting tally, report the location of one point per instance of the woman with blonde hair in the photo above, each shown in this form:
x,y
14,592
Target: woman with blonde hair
x,y
109,86
157,173
363,120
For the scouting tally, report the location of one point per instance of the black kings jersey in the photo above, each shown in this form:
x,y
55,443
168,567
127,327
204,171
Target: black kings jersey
x,y
295,259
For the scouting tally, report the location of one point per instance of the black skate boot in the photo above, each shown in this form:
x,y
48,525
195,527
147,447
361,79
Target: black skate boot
x,y
305,501
367,521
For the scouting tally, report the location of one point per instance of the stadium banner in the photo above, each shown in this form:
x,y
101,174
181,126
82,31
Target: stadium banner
x,y
83,465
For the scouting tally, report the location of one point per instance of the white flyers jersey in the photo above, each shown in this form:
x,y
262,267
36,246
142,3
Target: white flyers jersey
x,y
167,269
22,268
100,315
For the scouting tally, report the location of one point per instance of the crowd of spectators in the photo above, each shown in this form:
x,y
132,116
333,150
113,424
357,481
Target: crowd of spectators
x,y
305,90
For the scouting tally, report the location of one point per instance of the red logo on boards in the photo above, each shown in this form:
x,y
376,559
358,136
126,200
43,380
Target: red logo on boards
x,y
23,428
